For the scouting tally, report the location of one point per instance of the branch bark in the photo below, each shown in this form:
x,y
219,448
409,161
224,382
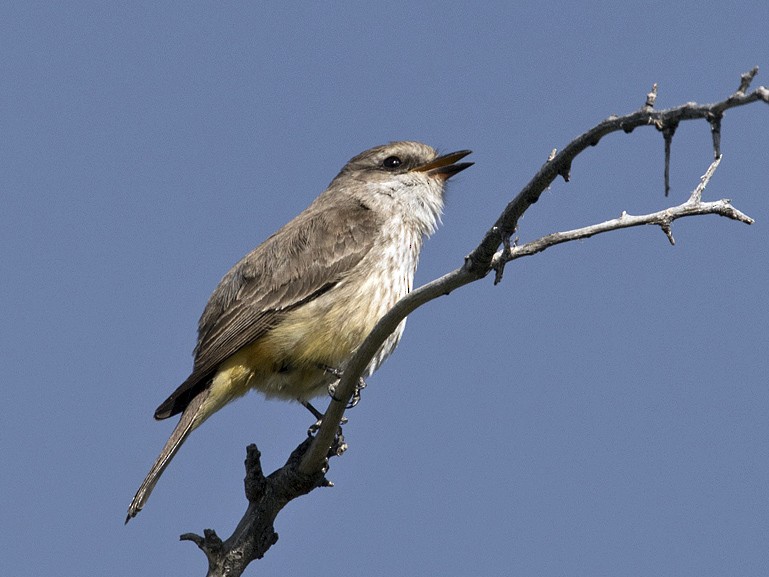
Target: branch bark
x,y
306,467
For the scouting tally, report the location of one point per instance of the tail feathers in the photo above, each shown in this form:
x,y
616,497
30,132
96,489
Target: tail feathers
x,y
190,420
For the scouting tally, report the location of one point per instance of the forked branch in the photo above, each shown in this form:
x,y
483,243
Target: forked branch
x,y
485,258
305,469
663,218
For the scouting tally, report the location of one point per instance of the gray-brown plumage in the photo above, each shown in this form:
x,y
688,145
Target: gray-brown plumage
x,y
305,299
270,281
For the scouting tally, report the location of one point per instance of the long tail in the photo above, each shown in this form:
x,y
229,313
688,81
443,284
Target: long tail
x,y
189,420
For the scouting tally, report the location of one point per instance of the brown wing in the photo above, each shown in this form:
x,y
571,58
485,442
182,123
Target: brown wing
x,y
298,263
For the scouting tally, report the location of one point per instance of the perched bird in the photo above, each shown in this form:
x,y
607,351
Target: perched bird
x,y
287,318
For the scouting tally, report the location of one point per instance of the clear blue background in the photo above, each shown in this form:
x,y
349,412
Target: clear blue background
x,y
601,412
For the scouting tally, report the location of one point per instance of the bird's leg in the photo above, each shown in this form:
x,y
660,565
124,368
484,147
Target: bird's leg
x,y
318,416
332,387
315,413
312,429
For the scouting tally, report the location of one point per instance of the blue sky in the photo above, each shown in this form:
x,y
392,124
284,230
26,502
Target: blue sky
x,y
603,411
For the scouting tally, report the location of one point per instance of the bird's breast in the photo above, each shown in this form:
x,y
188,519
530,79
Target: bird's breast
x,y
327,330
289,360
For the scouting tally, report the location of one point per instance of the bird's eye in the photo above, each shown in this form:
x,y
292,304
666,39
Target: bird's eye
x,y
391,162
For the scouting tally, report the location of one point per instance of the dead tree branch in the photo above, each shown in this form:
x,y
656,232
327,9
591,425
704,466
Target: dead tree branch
x,y
663,218
307,465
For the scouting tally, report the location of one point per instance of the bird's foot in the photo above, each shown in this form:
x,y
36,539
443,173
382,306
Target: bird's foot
x,y
355,399
338,446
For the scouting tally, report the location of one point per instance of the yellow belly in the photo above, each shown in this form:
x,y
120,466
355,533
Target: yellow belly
x,y
289,360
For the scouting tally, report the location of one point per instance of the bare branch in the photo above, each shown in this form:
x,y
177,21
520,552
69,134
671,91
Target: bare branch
x,y
482,259
663,218
266,496
307,465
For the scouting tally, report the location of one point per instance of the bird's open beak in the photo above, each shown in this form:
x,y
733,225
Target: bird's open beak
x,y
446,166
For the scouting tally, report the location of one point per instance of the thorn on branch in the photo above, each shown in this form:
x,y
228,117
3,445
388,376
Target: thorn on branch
x,y
499,271
746,79
667,134
714,120
730,212
651,97
666,228
499,266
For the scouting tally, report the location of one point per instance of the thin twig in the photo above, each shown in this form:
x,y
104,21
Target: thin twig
x,y
663,218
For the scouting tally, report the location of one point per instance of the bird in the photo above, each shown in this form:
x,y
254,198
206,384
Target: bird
x,y
289,315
